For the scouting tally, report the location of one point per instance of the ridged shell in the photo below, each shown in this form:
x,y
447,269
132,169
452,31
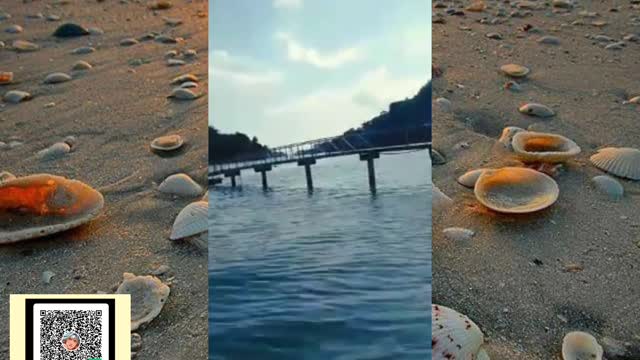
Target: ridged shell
x,y
54,151
181,185
440,200
622,162
535,109
43,204
455,336
57,77
516,190
608,186
531,146
167,143
184,78
148,296
458,233
469,178
191,220
515,70
16,96
578,345
184,94
507,135
24,46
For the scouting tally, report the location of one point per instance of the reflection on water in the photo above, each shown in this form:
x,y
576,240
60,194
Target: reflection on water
x,y
339,274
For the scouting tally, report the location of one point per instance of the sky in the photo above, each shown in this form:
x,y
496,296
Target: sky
x,y
288,71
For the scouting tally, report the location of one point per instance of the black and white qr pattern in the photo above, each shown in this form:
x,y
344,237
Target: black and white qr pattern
x,y
55,323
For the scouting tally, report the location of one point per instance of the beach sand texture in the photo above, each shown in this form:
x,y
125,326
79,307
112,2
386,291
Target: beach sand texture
x,y
114,109
528,280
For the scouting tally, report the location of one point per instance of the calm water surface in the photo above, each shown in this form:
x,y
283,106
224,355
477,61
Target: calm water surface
x,y
339,274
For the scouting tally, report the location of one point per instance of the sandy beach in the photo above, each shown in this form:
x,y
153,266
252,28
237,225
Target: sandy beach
x,y
528,280
114,110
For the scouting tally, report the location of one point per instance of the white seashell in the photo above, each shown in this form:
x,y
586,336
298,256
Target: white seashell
x,y
622,162
95,31
515,70
578,345
24,46
444,104
609,186
148,296
184,78
167,143
469,178
184,94
55,151
507,136
6,176
16,96
181,185
165,39
535,109
190,53
455,336
172,21
189,85
532,146
128,42
175,62
439,200
14,29
81,65
192,220
56,78
458,234
83,50
516,190
171,54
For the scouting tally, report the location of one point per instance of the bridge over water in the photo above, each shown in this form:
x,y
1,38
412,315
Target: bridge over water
x,y
367,144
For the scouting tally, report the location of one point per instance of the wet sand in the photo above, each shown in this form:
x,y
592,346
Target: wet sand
x,y
114,110
512,278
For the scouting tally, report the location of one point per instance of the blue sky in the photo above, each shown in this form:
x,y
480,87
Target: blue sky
x,y
295,70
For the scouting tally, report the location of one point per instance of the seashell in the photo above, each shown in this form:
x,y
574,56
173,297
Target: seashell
x,y
6,77
532,146
160,5
83,50
439,200
56,78
70,140
616,46
437,158
205,197
515,70
455,336
458,234
183,94
578,345
70,30
6,176
16,96
563,4
24,46
609,186
189,85
172,21
167,143
81,65
128,42
476,6
95,31
191,224
52,17
516,190
190,53
55,151
469,178
633,100
171,54
444,104
184,78
14,29
548,40
43,204
535,109
148,36
507,136
4,15
148,296
175,62
181,185
622,162
165,39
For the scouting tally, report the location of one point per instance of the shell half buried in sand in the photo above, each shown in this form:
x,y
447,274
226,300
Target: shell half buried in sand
x,y
535,109
515,70
516,190
191,224
622,162
148,296
43,204
167,143
532,146
578,345
455,336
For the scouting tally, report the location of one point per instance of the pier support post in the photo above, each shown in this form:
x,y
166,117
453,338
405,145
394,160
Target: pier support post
x,y
307,170
232,174
262,169
369,157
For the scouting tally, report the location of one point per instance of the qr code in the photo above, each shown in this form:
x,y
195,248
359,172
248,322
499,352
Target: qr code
x,y
70,334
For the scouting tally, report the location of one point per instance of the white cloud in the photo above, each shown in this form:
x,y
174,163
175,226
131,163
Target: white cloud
x,y
299,53
240,71
287,4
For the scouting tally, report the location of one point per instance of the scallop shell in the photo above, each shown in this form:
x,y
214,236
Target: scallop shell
x,y
181,185
578,345
516,190
16,96
455,336
507,136
81,65
24,46
609,186
148,296
439,200
515,70
43,204
535,109
184,78
622,162
167,143
458,233
184,94
192,220
469,178
57,77
531,146
54,151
